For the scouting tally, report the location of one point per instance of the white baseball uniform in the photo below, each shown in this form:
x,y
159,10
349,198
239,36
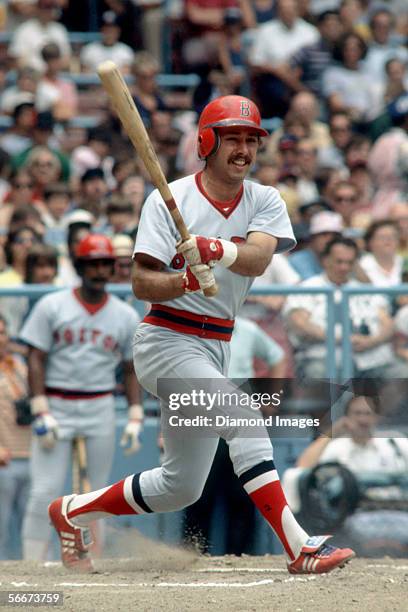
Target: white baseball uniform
x,y
188,337
84,344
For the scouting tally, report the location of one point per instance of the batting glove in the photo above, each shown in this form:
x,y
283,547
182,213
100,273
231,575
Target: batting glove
x,y
200,250
131,433
45,425
198,278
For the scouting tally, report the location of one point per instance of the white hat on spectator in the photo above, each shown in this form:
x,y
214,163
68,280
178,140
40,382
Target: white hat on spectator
x,y
326,221
122,245
79,216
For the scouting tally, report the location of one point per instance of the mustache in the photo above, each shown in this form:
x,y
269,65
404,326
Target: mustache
x,y
234,158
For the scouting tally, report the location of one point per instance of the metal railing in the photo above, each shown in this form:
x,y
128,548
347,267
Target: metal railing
x,y
332,371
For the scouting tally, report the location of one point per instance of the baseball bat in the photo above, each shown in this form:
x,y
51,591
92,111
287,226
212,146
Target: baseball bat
x,y
124,106
80,477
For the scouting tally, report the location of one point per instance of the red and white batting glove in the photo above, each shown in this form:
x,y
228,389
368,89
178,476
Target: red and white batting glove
x,y
45,425
197,278
131,433
200,250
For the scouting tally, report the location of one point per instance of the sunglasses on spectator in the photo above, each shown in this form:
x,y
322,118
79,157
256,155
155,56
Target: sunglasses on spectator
x,y
24,240
23,185
47,164
345,199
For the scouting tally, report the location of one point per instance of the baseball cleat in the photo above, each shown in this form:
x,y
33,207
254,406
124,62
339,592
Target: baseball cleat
x,y
317,557
75,541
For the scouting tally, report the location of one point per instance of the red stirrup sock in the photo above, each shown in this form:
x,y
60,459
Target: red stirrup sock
x,y
264,488
123,497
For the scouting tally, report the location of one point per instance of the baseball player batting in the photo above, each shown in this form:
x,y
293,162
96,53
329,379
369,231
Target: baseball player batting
x,y
236,226
77,337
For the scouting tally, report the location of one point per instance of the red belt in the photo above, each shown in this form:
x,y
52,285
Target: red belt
x,y
73,394
189,323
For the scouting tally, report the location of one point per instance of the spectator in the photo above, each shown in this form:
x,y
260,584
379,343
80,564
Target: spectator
x,y
92,154
346,87
372,326
21,194
397,80
57,200
94,189
230,49
18,137
43,136
399,214
109,48
27,216
129,19
54,93
324,226
145,91
340,129
24,91
41,265
383,46
382,264
303,108
354,443
16,249
310,61
152,21
390,184
120,216
275,43
17,245
133,190
123,249
307,170
204,23
346,201
15,439
44,168
353,15
31,36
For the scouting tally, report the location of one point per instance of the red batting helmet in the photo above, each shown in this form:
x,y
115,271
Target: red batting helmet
x,y
226,111
95,246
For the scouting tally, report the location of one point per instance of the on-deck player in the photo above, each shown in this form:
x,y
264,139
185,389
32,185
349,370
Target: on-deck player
x,y
186,335
77,337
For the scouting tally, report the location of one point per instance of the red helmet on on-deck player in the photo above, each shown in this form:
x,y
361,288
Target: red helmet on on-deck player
x,y
95,246
226,111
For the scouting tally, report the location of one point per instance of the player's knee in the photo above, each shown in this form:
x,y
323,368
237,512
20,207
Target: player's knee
x,y
185,494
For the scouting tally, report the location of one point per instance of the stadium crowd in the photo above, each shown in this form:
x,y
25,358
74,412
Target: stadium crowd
x,y
331,80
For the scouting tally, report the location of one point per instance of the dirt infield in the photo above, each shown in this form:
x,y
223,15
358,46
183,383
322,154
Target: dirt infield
x,y
174,580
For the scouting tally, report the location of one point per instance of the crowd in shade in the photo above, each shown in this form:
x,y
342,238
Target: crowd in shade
x,y
331,80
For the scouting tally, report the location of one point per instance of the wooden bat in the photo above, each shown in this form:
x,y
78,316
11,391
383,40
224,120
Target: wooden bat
x,y
127,112
80,477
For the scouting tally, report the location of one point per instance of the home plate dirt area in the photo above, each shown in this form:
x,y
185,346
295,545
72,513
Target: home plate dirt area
x,y
163,578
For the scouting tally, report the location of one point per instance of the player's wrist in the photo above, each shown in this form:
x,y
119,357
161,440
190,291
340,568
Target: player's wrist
x,y
230,253
135,413
39,405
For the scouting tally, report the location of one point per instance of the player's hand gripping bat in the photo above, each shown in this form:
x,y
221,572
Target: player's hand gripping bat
x,y
127,112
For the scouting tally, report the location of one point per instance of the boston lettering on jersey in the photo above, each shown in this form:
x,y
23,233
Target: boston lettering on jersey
x,y
82,335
